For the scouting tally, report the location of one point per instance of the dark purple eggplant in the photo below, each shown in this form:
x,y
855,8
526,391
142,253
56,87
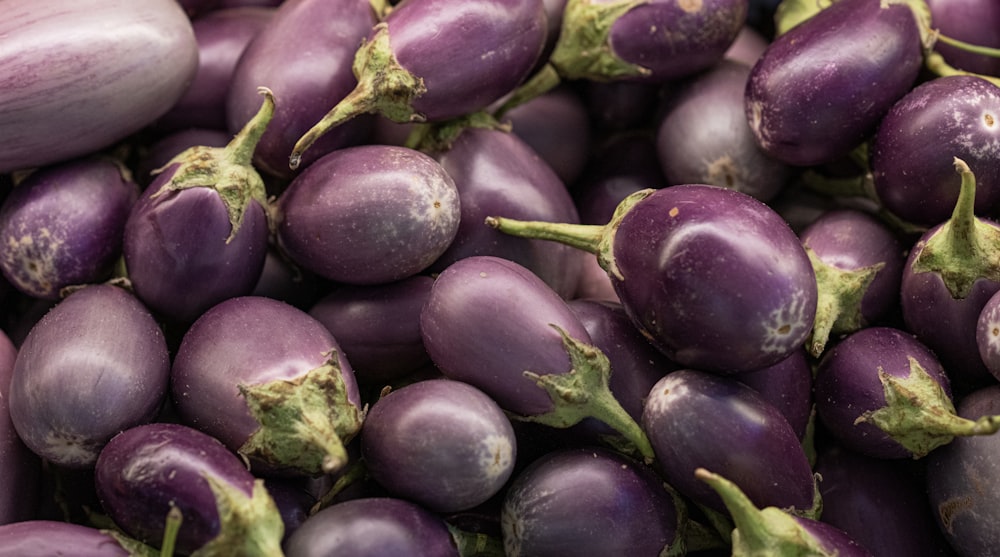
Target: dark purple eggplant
x,y
621,105
696,419
589,502
20,467
774,531
714,277
949,275
788,386
704,138
145,472
222,36
369,214
820,89
95,364
443,444
69,94
970,21
48,538
883,393
199,233
912,153
532,354
858,262
63,225
961,481
434,61
372,527
304,55
271,383
378,326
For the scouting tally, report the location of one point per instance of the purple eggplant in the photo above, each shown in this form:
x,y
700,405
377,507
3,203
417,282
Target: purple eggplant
x,y
696,419
443,444
145,472
714,277
95,364
622,165
621,105
912,153
69,94
303,55
820,89
533,355
63,225
774,531
433,61
283,280
704,138
222,36
961,482
788,386
271,383
199,233
369,214
20,467
970,21
372,527
48,538
589,502
858,262
748,46
883,393
378,326
988,334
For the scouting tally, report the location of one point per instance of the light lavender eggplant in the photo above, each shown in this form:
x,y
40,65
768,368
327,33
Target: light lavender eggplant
x,y
68,94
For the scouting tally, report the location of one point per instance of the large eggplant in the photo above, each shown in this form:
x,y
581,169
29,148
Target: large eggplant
x,y
80,76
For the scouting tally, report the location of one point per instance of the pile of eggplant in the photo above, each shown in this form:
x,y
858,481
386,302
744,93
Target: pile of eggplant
x,y
500,278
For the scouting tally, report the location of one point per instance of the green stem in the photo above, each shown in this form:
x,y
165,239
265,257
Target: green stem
x,y
476,544
586,237
546,79
356,472
174,520
969,47
937,65
241,148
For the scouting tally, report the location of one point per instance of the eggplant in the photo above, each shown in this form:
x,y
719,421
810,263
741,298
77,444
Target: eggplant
x,y
368,214
788,386
714,277
46,538
819,90
21,467
443,444
97,345
161,150
148,471
432,61
69,94
988,334
63,225
271,383
970,21
622,165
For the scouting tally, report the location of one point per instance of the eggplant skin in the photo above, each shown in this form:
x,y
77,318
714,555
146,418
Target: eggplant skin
x,y
76,77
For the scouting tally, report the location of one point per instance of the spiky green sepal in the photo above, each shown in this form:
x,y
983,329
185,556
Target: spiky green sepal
x,y
583,50
839,296
248,526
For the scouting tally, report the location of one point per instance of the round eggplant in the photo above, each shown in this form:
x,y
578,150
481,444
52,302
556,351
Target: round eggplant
x,y
788,385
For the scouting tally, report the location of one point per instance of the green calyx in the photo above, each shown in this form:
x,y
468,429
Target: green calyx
x,y
919,415
583,50
839,296
440,136
384,87
965,248
228,170
304,422
248,526
584,392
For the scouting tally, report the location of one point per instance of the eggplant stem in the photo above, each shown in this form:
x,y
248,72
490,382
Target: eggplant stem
x,y
173,526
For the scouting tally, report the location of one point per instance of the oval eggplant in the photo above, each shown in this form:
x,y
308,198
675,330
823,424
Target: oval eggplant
x,y
21,468
788,386
46,538
68,94
970,21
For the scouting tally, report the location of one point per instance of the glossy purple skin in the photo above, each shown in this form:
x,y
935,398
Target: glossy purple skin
x,y
63,225
851,239
833,539
65,95
304,56
378,326
177,254
961,482
372,527
752,444
587,502
972,21
689,37
145,469
913,151
621,166
704,137
282,280
880,503
369,214
488,320
21,469
98,344
988,334
158,153
46,538
443,444
497,173
820,89
788,386
246,340
468,54
557,126
715,278
222,36
847,385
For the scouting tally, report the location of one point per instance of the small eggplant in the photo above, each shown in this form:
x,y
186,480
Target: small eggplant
x,y
788,386
970,21
20,467
48,538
